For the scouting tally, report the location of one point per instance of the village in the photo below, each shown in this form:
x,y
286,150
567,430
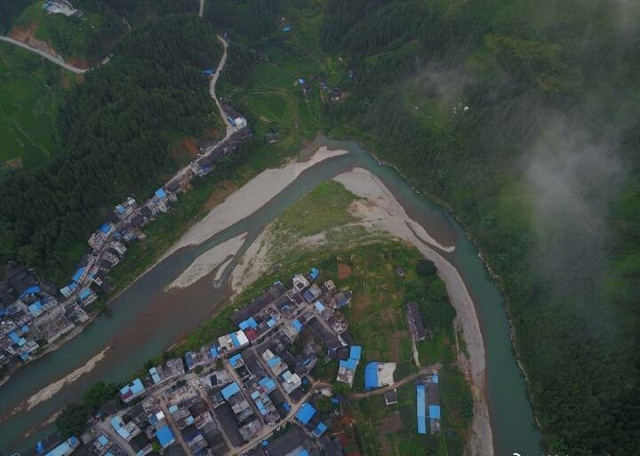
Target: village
x,y
251,391
34,313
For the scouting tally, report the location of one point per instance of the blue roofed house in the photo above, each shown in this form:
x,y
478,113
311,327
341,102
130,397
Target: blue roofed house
x,y
314,273
306,412
230,390
421,409
346,368
371,376
35,309
165,436
319,429
161,194
131,391
65,448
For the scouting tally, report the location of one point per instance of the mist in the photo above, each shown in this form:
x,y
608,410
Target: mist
x,y
573,176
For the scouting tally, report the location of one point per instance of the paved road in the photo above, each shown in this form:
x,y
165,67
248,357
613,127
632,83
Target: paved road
x,y
47,56
212,87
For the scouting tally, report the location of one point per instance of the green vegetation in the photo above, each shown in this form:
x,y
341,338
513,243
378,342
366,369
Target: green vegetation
x,y
116,127
73,420
30,95
534,83
322,208
88,36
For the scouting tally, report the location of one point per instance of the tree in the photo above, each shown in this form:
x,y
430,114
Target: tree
x,y
425,268
99,394
73,420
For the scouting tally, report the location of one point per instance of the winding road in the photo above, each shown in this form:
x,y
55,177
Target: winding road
x,y
46,55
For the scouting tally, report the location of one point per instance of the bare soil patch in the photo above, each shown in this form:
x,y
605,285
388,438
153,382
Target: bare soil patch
x,y
396,345
27,36
391,423
14,163
344,271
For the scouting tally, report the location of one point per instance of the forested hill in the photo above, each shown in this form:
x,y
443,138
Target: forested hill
x,y
116,128
523,117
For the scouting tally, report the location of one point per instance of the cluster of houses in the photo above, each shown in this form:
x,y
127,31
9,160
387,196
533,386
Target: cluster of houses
x,y
245,384
33,311
31,315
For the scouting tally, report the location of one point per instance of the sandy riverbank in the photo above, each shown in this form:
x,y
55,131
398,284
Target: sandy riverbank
x,y
249,198
383,211
212,259
49,391
379,210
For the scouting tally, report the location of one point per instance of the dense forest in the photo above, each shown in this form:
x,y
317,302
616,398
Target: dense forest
x,y
115,130
524,119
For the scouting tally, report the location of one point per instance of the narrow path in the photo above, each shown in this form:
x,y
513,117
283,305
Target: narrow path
x,y
47,56
423,371
201,12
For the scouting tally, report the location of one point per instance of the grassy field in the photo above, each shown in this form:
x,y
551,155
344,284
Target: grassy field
x,y
31,90
323,208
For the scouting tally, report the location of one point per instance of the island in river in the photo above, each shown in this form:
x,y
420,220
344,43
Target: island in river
x,y
143,308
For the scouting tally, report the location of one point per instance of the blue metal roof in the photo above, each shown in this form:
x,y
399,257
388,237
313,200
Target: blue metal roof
x,y
160,193
297,325
60,450
105,228
213,351
118,425
302,452
31,290
165,436
305,413
434,378
14,337
355,352
248,323
319,306
320,429
35,308
230,390
371,376
235,360
314,273
103,440
422,420
434,412
77,275
137,387
234,340
268,384
274,361
84,294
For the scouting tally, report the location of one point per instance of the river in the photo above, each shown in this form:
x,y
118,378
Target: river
x,y
144,320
